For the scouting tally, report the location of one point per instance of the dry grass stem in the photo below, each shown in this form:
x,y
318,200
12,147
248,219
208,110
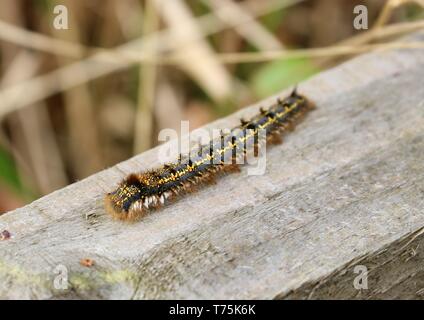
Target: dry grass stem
x,y
105,62
196,58
143,129
254,32
81,121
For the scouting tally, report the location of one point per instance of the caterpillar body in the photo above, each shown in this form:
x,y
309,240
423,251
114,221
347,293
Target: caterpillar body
x,y
140,192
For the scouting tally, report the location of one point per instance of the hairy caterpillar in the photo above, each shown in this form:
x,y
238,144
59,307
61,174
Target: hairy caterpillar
x,y
140,192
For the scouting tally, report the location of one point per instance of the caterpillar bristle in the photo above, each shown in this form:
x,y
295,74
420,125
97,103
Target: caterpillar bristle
x,y
275,139
140,193
279,101
294,92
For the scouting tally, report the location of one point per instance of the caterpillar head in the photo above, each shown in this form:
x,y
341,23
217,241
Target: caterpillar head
x,y
126,202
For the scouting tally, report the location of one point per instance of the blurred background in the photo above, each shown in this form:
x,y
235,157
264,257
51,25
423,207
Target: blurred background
x,y
76,100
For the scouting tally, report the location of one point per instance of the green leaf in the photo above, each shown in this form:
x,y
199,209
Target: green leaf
x,y
8,172
278,75
273,20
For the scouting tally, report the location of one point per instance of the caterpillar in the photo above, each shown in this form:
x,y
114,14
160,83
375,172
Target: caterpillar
x,y
141,192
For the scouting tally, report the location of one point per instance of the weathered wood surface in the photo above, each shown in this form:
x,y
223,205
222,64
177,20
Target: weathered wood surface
x,y
346,188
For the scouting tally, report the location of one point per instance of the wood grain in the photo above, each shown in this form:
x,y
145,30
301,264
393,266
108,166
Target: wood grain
x,y
346,188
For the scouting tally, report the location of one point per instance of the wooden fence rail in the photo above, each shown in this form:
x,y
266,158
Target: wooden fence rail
x,y
344,192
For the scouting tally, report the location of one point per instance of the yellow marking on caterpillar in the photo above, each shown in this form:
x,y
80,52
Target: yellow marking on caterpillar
x,y
243,139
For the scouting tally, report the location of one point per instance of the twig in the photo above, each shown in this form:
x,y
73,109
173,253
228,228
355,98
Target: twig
x,y
143,128
250,57
196,58
46,85
375,34
83,142
129,52
103,63
38,41
36,133
388,9
254,32
386,12
30,130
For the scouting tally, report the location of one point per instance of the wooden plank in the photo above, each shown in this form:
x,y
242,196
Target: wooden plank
x,y
345,189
